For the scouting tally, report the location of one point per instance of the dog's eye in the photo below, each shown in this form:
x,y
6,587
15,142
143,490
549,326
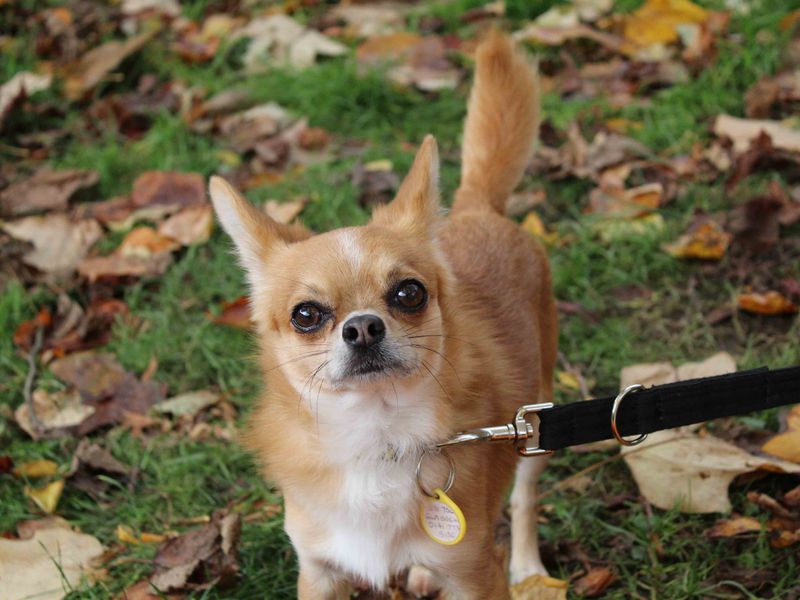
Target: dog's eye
x,y
307,317
409,296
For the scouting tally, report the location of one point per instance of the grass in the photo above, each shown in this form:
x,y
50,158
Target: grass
x,y
656,554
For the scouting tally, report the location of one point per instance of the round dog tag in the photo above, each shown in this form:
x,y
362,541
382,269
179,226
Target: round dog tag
x,y
442,520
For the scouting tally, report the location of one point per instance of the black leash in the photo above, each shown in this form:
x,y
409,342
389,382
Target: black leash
x,y
637,411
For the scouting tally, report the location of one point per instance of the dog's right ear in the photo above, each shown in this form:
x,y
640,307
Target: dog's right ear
x,y
252,231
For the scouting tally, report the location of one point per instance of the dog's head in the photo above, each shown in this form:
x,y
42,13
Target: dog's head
x,y
354,307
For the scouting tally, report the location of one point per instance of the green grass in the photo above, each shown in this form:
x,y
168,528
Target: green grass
x,y
656,554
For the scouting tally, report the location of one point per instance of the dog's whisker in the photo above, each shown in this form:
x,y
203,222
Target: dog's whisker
x,y
295,359
429,370
444,358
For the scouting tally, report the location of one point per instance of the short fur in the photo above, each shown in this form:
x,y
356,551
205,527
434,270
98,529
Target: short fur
x,y
343,451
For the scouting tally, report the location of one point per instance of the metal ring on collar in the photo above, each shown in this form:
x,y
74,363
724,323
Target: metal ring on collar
x,y
451,477
617,401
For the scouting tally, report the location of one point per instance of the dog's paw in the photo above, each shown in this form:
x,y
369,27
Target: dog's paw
x,y
422,583
519,573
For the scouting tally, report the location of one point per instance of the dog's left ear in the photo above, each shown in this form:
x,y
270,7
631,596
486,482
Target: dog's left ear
x,y
416,206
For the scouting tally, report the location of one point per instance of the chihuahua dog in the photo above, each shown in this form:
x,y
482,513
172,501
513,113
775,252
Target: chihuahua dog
x,y
379,341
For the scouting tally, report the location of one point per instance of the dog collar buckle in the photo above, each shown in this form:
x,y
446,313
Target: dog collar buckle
x,y
517,432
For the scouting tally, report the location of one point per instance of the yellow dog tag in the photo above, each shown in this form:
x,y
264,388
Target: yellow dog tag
x,y
442,520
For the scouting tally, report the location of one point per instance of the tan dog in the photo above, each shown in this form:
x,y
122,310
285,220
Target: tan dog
x,y
378,341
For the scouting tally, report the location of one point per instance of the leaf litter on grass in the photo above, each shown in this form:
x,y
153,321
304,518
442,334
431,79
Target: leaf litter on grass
x,y
101,59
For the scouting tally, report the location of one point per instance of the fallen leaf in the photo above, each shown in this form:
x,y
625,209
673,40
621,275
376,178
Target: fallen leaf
x,y
99,62
540,587
170,189
370,20
19,87
756,224
200,558
106,386
193,225
25,334
767,303
786,445
28,568
144,590
118,265
28,528
46,497
771,96
792,497
36,468
659,21
595,582
283,41
244,130
742,132
285,212
533,224
59,244
733,527
769,503
45,190
190,403
625,203
57,414
675,468
235,313
704,240
377,182
6,464
387,48
556,36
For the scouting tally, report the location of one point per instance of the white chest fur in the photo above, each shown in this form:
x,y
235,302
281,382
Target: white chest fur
x,y
370,526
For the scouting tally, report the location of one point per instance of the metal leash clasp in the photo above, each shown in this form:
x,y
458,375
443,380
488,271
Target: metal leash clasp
x,y
517,432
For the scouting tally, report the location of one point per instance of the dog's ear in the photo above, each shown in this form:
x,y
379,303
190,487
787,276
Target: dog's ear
x,y
416,206
252,231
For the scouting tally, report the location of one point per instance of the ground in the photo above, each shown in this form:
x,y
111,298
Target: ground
x,y
636,302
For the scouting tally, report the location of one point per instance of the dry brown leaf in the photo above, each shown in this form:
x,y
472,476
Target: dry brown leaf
x,y
36,468
556,36
28,528
595,582
767,303
99,62
744,131
57,413
704,240
235,313
281,40
117,265
733,527
17,88
540,587
200,558
190,403
106,386
677,468
59,243
285,212
144,590
387,48
193,225
370,20
47,566
45,190
46,497
650,374
169,189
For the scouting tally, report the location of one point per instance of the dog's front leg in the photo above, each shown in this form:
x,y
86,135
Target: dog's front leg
x,y
318,582
481,576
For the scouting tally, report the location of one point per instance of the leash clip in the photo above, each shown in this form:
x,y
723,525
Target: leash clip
x,y
518,432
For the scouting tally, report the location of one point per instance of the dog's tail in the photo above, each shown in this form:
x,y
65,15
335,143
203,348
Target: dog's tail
x,y
502,124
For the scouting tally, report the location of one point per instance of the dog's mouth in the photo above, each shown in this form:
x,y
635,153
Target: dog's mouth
x,y
373,364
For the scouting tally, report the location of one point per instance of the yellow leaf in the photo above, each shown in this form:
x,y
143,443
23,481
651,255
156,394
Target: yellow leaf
x,y
707,241
785,446
379,165
36,468
768,303
568,380
46,497
657,21
622,125
540,587
152,538
533,224
125,534
229,158
732,527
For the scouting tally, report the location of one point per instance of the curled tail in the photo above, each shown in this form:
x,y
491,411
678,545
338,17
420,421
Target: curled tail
x,y
502,124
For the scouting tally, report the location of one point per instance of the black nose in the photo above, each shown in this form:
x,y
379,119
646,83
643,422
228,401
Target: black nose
x,y
363,331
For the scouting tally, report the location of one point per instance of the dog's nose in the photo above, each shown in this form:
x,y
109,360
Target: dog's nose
x,y
363,331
